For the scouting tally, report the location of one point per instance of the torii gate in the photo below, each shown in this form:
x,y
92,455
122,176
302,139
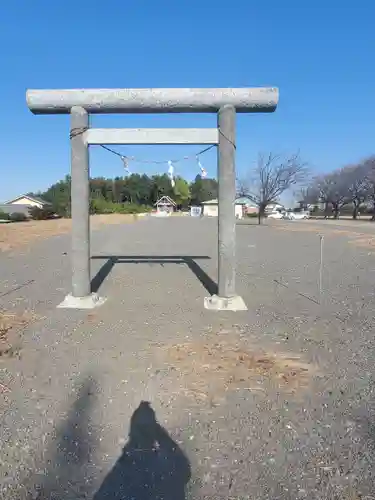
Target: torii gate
x,y
79,103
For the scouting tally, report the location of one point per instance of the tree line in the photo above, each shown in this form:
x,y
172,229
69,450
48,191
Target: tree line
x,y
351,187
272,175
131,194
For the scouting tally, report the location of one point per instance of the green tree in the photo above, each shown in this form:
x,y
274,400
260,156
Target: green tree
x,y
59,196
203,190
137,189
181,192
161,186
105,193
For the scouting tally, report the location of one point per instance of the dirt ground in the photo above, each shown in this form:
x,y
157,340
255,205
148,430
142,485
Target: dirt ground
x,y
11,331
274,402
361,235
22,233
17,235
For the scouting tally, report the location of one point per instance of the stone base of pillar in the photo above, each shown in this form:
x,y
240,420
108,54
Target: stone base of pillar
x,y
216,303
89,302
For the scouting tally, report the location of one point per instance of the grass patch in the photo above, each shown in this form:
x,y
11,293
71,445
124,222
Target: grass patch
x,y
206,370
13,236
11,326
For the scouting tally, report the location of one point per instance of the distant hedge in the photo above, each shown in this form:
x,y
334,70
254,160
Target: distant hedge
x,y
101,206
17,217
4,216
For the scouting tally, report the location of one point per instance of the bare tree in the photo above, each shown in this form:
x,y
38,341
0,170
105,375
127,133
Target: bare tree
x,y
308,196
333,190
274,174
341,187
357,180
353,184
242,188
369,167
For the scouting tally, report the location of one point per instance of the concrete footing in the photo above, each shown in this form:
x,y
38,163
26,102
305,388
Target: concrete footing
x,y
216,303
89,302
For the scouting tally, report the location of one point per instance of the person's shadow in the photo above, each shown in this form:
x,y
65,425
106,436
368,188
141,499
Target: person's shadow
x,y
151,467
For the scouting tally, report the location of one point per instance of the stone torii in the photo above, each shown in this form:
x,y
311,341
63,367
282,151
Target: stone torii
x,y
79,103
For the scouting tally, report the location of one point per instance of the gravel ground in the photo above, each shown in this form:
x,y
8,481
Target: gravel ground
x,y
273,403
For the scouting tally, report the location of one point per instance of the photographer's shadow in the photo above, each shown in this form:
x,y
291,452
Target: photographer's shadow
x,y
151,467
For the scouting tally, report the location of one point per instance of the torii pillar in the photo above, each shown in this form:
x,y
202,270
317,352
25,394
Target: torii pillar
x,y
79,103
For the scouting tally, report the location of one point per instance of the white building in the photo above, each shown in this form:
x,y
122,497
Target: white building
x,y
30,201
211,209
22,204
274,207
165,205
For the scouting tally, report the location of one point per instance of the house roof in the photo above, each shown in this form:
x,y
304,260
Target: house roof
x,y
31,198
246,200
165,200
275,205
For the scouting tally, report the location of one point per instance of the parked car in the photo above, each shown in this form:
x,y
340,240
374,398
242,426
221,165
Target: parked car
x,y
275,215
298,215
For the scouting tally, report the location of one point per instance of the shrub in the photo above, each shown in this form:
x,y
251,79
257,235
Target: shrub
x,y
4,216
252,215
133,208
17,217
37,213
101,206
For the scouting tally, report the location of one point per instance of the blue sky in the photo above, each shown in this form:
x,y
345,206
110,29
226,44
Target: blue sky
x,y
319,54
